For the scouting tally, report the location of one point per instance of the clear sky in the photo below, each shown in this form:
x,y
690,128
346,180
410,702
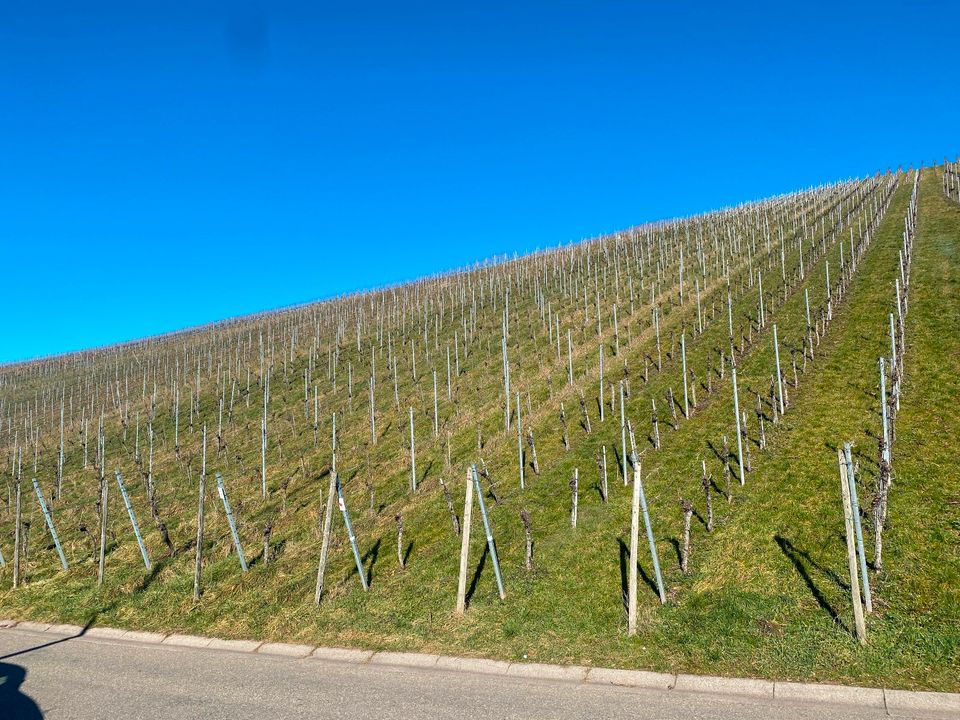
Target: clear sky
x,y
173,163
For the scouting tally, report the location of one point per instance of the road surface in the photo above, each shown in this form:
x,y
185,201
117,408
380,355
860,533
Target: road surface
x,y
100,679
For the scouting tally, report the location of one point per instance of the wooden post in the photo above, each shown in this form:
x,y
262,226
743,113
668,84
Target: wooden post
x,y
687,507
632,570
575,497
263,439
413,456
883,411
528,533
686,394
436,409
776,352
16,537
855,506
601,382
623,437
520,442
400,562
201,494
860,627
736,413
104,498
465,547
325,543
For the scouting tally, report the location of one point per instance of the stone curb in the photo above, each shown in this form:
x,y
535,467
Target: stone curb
x,y
404,659
931,704
194,641
346,655
895,702
831,694
286,650
540,671
65,629
107,633
727,686
234,645
481,666
631,678
140,636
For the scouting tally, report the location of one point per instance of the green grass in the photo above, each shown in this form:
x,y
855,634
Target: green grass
x,y
767,593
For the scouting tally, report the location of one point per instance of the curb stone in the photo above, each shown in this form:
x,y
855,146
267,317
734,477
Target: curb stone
x,y
631,678
541,671
725,686
832,694
65,630
151,638
34,626
481,666
404,659
931,704
234,645
194,641
108,633
347,655
286,649
897,703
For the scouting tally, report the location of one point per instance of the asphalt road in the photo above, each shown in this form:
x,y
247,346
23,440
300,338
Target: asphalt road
x,y
95,678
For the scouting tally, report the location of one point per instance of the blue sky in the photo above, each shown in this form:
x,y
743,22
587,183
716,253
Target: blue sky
x,y
169,164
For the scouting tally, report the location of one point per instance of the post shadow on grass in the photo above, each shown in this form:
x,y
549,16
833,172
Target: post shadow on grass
x,y
425,473
624,560
617,460
699,517
717,452
599,489
147,579
15,703
372,554
406,553
476,575
676,548
798,558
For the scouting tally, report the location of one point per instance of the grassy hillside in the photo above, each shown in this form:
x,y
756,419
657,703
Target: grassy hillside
x,y
767,592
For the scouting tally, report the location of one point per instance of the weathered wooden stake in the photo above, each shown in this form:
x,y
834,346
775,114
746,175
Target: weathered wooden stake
x,y
520,443
736,413
852,480
860,627
399,518
687,507
465,547
201,494
528,533
632,570
575,497
325,542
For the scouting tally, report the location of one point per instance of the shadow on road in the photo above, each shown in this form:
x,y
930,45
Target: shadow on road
x,y
15,705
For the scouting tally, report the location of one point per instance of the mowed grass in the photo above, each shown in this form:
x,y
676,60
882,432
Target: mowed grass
x,y
767,594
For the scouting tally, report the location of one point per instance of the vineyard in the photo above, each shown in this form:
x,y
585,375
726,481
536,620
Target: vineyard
x,y
724,444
